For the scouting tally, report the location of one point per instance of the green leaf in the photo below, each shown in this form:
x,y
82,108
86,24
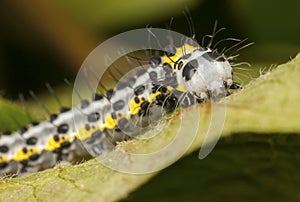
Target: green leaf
x,y
13,116
267,108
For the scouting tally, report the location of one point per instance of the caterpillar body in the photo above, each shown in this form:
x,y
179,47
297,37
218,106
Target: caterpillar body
x,y
182,77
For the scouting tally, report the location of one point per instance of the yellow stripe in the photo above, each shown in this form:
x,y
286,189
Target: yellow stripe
x,y
20,155
179,53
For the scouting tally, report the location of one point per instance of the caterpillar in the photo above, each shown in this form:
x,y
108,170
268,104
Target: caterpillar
x,y
180,77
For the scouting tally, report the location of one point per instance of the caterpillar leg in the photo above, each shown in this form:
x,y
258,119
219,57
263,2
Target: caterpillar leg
x,y
235,86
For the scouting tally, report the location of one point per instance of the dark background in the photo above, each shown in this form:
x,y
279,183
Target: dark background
x,y
42,41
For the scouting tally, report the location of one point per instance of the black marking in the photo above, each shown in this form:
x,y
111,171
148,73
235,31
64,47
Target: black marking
x,y
84,104
6,132
136,100
93,117
109,94
170,103
188,100
24,166
31,141
117,129
154,88
163,89
167,102
144,108
65,145
34,123
172,81
63,128
131,81
160,99
3,149
57,151
59,155
25,150
154,61
53,117
189,69
56,138
23,130
225,84
120,104
64,109
145,104
180,64
140,71
96,97
114,115
123,123
167,68
97,134
153,75
87,127
34,157
235,85
3,165
24,163
170,50
139,90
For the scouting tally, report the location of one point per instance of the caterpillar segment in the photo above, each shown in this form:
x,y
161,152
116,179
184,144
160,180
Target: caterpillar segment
x,y
182,77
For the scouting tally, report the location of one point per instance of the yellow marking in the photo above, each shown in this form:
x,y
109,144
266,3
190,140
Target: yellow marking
x,y
3,159
84,134
52,144
186,48
110,122
170,88
154,95
20,155
135,107
181,88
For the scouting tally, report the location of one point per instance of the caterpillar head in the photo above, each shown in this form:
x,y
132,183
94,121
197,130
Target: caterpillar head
x,y
206,74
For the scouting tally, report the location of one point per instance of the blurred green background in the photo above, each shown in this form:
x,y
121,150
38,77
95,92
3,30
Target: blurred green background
x,y
46,41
